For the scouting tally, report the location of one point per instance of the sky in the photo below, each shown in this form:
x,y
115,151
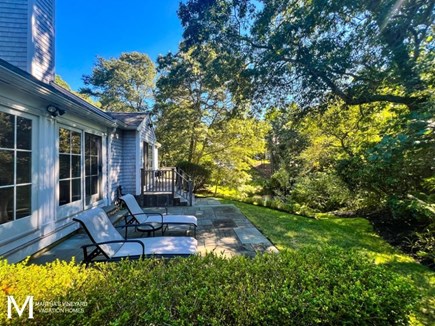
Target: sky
x,y
86,29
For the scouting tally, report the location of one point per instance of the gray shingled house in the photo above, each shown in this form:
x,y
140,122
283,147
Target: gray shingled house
x,y
59,155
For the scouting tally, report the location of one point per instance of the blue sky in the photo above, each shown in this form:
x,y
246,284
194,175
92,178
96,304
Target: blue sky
x,y
89,28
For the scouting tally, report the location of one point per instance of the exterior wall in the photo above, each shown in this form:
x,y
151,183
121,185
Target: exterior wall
x,y
48,222
14,27
126,154
27,36
41,54
115,172
129,174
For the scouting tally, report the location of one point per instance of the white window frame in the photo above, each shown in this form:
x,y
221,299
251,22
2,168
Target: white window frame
x,y
74,207
94,198
27,224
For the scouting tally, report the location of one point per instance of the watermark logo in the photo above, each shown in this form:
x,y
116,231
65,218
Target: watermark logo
x,y
43,307
20,311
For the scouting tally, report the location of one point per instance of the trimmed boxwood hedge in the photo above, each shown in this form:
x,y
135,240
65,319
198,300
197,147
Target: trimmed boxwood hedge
x,y
310,286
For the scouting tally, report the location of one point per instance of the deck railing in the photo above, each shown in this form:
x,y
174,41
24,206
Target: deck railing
x,y
168,180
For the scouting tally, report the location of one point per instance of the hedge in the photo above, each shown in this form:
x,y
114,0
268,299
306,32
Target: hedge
x,y
310,286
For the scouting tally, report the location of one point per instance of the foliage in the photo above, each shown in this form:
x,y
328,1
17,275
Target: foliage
x,y
289,231
59,81
122,84
413,209
196,120
308,286
199,174
316,50
321,191
424,245
188,106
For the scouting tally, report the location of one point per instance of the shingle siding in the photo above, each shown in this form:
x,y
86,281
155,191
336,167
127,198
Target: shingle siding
x,y
29,47
129,162
13,32
115,173
126,159
43,36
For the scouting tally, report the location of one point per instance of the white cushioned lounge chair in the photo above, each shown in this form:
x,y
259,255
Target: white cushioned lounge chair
x,y
139,216
110,245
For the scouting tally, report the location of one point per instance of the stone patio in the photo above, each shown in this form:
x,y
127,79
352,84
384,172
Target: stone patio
x,y
222,229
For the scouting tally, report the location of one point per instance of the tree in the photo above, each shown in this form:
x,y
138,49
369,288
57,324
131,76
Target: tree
x,y
59,81
196,121
285,50
188,106
122,84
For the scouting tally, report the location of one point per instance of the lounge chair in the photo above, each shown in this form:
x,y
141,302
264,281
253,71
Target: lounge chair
x,y
111,245
138,216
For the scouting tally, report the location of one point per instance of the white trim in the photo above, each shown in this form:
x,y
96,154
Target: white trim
x,y
31,223
138,162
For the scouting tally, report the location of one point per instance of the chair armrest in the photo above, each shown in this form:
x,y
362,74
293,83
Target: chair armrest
x,y
126,226
148,214
97,244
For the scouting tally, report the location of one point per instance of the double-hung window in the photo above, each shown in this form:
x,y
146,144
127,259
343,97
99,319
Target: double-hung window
x,y
70,166
80,167
15,167
93,168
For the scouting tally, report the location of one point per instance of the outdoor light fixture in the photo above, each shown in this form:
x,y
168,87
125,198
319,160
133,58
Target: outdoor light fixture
x,y
55,111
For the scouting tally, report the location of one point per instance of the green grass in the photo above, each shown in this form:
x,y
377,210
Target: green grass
x,y
290,232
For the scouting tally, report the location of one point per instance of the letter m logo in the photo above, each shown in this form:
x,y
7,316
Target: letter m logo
x,y
12,302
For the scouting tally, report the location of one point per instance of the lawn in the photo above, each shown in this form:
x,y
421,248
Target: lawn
x,y
291,232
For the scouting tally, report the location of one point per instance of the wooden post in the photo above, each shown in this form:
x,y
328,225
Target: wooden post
x,y
190,192
173,183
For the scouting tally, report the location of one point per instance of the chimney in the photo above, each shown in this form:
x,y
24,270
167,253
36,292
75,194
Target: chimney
x,y
27,36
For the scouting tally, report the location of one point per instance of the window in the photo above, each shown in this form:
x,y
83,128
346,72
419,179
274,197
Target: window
x,y
15,167
147,156
93,168
70,166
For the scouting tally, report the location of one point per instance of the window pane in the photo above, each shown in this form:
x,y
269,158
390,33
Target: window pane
x,y
87,165
6,168
24,201
94,185
64,166
87,144
95,145
64,141
94,165
88,186
6,205
24,167
7,126
64,192
76,166
76,142
76,189
24,133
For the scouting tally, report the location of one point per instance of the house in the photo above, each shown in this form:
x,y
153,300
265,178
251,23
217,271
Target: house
x,y
59,155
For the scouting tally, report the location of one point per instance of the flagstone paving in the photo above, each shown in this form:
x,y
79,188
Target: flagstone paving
x,y
222,229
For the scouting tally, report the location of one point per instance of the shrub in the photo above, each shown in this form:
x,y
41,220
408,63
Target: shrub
x,y
412,210
199,174
321,191
304,287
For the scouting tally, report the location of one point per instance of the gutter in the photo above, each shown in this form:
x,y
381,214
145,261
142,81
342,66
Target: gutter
x,y
59,96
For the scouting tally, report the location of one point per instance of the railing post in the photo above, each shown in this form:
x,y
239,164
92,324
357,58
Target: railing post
x,y
173,182
142,181
190,192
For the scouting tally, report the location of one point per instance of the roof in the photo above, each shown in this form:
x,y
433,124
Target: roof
x,y
73,104
130,119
